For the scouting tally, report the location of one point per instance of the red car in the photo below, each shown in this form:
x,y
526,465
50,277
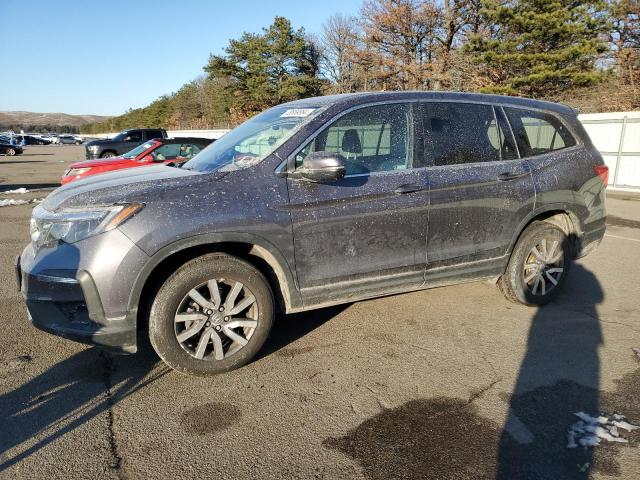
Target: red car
x,y
153,152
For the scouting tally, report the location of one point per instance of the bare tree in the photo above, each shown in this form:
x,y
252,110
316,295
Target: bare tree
x,y
400,39
340,39
458,19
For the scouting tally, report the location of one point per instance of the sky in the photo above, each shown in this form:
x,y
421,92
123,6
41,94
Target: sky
x,y
104,57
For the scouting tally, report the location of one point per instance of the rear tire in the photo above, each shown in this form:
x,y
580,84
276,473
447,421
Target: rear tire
x,y
538,266
212,315
11,152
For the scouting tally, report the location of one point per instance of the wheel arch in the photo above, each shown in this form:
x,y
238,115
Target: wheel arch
x,y
258,252
559,215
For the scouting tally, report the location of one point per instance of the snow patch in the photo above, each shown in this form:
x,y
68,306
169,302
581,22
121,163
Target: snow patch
x,y
11,201
20,190
589,430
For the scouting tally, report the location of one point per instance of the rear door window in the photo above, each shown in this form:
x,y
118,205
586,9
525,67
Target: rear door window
x,y
188,150
461,133
151,134
538,132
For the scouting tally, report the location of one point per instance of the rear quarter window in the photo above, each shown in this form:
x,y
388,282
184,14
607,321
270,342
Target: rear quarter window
x,y
538,133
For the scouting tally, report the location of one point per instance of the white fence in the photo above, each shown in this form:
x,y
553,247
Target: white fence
x,y
617,136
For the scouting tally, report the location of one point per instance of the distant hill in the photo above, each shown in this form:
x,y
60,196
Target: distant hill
x,y
32,118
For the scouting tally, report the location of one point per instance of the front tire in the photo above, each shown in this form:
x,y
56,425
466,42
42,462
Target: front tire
x,y
538,266
212,315
108,155
11,152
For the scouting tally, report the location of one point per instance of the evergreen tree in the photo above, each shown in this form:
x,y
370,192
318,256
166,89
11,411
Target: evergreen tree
x,y
265,69
539,47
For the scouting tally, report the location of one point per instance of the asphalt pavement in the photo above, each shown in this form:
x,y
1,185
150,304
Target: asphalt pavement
x,y
449,383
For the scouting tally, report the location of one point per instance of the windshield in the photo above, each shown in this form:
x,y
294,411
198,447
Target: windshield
x,y
138,150
253,141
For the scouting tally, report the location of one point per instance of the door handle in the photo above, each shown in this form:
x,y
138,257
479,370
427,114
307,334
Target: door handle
x,y
408,188
506,176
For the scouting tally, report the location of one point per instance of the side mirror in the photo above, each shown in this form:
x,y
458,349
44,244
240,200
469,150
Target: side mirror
x,y
322,167
147,159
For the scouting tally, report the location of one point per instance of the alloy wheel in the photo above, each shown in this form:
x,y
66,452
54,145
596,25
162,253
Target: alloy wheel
x,y
216,319
544,266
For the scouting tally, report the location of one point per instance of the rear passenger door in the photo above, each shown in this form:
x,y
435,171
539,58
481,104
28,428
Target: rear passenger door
x,y
480,190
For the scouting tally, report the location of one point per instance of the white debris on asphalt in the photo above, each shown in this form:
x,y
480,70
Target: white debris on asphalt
x,y
589,431
11,201
17,190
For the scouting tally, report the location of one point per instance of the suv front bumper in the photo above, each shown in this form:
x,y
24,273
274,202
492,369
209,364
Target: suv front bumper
x,y
64,293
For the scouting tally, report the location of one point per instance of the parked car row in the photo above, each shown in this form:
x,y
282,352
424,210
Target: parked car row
x,y
153,152
40,139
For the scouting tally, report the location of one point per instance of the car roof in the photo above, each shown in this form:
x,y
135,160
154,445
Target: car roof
x,y
184,139
353,99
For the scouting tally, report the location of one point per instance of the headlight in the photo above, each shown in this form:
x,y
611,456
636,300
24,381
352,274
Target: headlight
x,y
76,171
73,225
94,148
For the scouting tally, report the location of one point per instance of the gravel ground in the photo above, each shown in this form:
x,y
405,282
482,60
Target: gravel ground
x,y
451,383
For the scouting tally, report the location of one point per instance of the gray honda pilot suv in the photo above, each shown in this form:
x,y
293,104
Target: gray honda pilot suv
x,y
313,203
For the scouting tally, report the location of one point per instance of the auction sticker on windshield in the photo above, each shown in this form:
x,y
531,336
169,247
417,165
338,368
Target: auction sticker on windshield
x,y
297,112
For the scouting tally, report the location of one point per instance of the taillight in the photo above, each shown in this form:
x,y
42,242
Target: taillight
x,y
603,172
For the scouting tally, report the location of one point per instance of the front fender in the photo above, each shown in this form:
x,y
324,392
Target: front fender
x,y
258,247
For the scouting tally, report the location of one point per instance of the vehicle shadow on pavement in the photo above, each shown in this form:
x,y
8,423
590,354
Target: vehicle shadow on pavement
x,y
448,438
65,397
289,328
13,162
562,348
29,186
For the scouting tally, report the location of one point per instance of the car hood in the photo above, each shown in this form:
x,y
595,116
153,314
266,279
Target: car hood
x,y
100,162
155,183
101,141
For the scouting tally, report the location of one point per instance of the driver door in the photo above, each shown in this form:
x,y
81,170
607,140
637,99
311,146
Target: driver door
x,y
368,229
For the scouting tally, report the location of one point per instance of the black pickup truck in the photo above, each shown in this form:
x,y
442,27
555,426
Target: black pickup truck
x,y
122,142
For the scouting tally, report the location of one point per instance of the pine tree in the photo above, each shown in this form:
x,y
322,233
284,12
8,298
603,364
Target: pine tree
x,y
540,47
266,69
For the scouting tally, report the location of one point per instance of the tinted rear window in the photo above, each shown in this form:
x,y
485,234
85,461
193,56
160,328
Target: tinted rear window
x,y
465,133
538,132
154,134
